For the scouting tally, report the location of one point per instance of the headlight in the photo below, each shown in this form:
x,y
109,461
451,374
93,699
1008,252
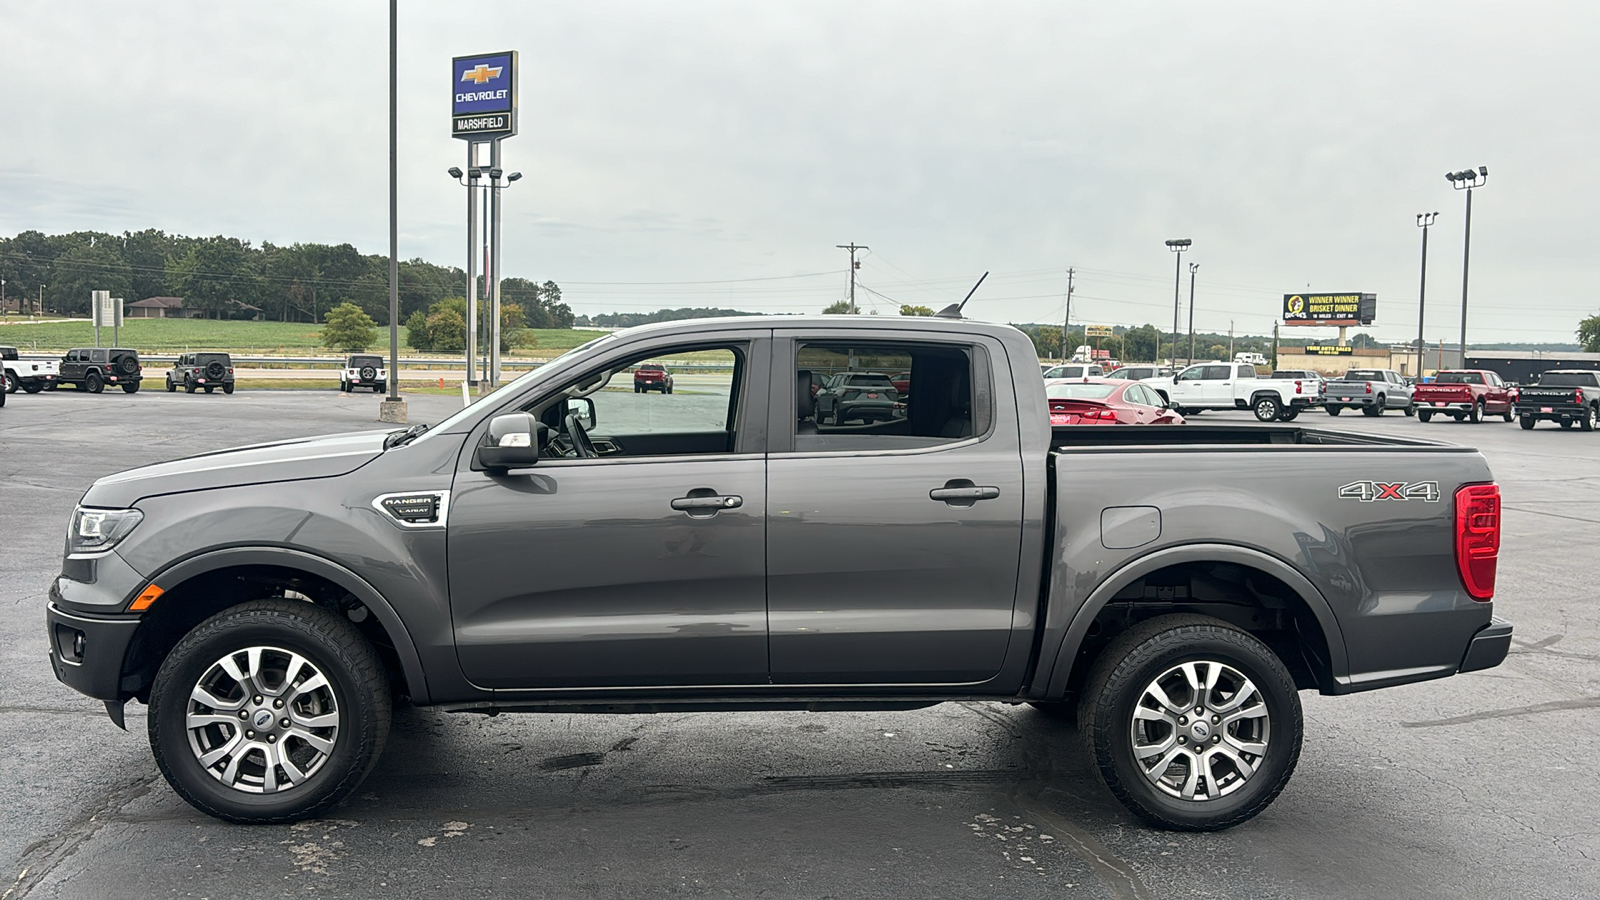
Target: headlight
x,y
94,530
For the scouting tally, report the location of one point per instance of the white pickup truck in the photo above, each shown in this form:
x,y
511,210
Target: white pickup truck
x,y
1220,385
31,375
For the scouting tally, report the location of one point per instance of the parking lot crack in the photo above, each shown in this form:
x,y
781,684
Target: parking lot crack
x,y
1533,709
43,856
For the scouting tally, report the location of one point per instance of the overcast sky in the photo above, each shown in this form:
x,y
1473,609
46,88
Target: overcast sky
x,y
674,152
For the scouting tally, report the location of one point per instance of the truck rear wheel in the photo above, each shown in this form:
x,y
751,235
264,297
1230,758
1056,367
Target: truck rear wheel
x,y
1424,415
271,711
1335,410
1193,724
1527,423
1587,422
1266,408
1476,413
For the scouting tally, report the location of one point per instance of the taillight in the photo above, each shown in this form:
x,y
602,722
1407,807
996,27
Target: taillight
x,y
1577,397
1478,537
1100,414
1297,387
1369,387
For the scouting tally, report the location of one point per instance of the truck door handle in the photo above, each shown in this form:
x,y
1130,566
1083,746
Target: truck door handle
x,y
703,502
961,492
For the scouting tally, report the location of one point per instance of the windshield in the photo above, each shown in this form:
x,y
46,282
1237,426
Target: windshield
x,y
1458,378
366,361
1079,391
1568,379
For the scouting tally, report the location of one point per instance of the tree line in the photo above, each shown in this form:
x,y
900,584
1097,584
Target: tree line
x,y
294,283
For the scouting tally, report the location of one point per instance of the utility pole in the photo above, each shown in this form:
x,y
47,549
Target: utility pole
x,y
1193,267
1230,339
853,247
1424,221
1067,319
1274,344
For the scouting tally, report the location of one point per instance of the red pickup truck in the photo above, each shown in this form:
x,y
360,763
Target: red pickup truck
x,y
1463,394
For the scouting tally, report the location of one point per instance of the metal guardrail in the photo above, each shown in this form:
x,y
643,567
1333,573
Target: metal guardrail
x,y
159,360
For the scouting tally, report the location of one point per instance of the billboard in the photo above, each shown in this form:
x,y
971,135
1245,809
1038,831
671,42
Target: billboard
x,y
484,96
1348,308
1328,350
1096,331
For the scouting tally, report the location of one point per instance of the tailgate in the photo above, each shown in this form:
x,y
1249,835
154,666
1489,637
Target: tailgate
x,y
1442,393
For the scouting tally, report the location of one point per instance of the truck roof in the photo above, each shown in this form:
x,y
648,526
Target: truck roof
x,y
932,324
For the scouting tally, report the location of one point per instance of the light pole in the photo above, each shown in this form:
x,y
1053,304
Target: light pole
x,y
1177,245
471,184
1466,180
1193,267
1424,221
495,187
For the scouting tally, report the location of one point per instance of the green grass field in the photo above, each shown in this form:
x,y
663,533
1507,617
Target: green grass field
x,y
258,338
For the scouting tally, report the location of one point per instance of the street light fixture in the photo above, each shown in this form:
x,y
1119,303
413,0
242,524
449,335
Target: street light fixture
x,y
1424,221
1466,180
1176,245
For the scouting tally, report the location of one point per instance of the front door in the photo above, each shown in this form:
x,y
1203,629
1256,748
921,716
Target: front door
x,y
892,544
617,570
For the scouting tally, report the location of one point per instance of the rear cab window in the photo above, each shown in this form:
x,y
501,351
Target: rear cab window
x,y
863,395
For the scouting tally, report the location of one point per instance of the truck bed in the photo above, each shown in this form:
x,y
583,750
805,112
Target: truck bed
x,y
1090,437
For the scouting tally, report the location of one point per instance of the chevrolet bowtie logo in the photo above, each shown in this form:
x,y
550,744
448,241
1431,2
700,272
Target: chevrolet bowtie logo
x,y
481,74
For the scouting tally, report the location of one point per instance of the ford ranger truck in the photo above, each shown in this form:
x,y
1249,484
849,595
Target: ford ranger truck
x,y
565,545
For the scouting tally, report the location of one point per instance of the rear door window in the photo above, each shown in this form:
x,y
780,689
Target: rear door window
x,y
859,406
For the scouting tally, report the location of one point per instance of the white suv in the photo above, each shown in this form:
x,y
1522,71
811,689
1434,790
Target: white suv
x,y
363,370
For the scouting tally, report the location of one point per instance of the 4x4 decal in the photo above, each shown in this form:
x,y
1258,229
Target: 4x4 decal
x,y
1368,491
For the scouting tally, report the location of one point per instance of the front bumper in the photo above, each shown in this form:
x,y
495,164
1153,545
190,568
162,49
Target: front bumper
x,y
86,651
1488,647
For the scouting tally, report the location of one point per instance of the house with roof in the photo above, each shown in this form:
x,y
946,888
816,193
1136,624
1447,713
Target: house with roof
x,y
174,308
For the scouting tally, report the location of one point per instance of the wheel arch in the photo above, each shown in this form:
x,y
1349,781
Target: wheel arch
x,y
164,625
1326,658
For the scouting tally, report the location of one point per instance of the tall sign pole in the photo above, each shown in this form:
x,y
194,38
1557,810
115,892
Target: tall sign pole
x,y
1066,319
484,111
1424,221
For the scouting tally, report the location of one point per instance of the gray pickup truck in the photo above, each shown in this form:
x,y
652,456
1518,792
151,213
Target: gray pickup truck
x,y
566,544
1373,391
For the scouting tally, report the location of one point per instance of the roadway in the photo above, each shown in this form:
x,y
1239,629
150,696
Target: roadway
x,y
1478,786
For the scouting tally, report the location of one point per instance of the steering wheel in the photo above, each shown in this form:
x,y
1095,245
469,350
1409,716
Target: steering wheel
x,y
581,445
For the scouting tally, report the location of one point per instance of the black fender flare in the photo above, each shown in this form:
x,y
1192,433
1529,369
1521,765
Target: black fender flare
x,y
210,561
1065,654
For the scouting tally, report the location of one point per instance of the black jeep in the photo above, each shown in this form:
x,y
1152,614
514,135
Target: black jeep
x,y
92,368
201,370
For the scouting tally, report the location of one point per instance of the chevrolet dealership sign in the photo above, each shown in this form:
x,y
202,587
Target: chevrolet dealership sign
x,y
484,89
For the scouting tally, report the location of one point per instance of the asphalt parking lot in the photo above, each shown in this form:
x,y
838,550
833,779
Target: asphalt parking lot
x,y
1475,786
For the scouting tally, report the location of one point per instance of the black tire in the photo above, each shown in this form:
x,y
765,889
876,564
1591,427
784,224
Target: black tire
x,y
127,365
1335,410
12,384
1142,656
188,386
1376,409
1475,415
1425,416
1266,408
227,389
131,387
667,389
1290,414
1566,423
329,643
1527,423
1507,414
210,388
637,389
1410,409
93,384
1587,422
171,388
34,387
379,388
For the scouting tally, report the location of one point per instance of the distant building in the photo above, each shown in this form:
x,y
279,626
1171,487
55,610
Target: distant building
x,y
173,308
1524,366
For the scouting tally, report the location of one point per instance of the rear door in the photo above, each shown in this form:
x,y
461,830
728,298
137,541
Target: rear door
x,y
893,547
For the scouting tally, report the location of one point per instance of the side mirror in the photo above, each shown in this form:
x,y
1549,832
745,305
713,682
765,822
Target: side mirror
x,y
512,442
583,408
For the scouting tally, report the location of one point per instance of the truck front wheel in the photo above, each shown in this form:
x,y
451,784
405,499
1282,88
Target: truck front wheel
x,y
271,711
1193,724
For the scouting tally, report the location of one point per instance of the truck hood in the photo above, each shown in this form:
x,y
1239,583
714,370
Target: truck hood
x,y
292,460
